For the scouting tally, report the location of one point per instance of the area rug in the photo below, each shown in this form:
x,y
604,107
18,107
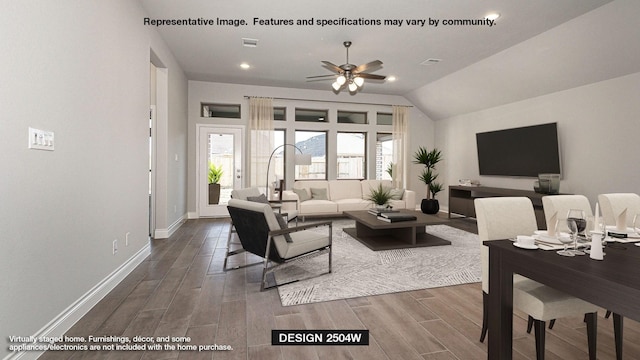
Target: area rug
x,y
359,271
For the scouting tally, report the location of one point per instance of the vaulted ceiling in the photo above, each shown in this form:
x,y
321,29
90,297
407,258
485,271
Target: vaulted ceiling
x,y
565,43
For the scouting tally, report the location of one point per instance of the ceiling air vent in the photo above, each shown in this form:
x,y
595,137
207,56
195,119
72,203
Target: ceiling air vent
x,y
430,62
246,42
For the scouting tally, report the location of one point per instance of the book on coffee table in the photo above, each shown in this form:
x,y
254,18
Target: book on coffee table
x,y
378,212
396,217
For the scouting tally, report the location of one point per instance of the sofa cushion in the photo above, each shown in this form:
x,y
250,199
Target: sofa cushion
x,y
396,194
353,204
303,194
318,207
397,204
319,194
345,189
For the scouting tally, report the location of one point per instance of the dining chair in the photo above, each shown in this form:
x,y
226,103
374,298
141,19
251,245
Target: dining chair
x,y
505,218
261,234
561,204
613,204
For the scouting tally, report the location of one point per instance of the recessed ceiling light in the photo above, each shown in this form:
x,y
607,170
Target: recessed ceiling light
x,y
492,16
245,66
391,78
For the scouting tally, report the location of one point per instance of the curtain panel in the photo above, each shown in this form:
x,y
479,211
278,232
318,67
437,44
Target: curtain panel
x,y
261,135
400,121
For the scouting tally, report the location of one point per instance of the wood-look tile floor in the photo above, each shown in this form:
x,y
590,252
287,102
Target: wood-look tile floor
x,y
181,290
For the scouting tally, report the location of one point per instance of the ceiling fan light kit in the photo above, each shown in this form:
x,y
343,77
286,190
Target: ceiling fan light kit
x,y
349,74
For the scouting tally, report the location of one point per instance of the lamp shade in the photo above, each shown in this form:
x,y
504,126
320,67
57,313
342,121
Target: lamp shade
x,y
336,86
341,80
359,81
303,159
353,86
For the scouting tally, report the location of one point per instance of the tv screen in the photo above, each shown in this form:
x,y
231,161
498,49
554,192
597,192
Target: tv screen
x,y
525,151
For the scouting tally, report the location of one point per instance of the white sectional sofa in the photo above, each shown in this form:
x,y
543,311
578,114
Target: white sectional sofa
x,y
332,197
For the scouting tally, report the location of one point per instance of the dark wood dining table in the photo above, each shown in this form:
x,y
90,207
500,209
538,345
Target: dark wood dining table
x,y
612,283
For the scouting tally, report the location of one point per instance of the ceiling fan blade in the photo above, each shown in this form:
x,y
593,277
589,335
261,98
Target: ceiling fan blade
x,y
371,76
321,77
332,67
370,65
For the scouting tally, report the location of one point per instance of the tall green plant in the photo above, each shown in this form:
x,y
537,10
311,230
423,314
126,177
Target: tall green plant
x,y
215,173
429,158
380,196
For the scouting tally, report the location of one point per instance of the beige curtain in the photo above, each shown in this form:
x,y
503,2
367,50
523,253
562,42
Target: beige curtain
x,y
400,144
261,130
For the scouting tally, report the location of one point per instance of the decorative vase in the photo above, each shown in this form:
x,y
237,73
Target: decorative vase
x,y
430,206
214,194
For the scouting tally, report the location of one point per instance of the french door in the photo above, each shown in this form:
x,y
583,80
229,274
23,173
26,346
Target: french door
x,y
219,168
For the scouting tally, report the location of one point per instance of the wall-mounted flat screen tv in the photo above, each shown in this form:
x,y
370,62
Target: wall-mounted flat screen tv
x,y
524,151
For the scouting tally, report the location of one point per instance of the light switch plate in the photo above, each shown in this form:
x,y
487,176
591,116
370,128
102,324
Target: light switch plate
x,y
41,139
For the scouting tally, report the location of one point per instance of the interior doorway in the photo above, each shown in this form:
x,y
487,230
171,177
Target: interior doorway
x,y
219,167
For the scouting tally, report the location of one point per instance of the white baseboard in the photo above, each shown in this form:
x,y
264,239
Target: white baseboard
x,y
65,320
166,233
193,215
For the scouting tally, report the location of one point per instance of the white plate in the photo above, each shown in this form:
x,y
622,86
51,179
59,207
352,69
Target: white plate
x,y
545,233
532,247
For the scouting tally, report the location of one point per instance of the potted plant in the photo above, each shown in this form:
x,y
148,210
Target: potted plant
x,y
215,173
380,196
429,159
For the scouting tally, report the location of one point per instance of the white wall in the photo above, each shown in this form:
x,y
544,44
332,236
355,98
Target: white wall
x,y
422,128
80,69
599,132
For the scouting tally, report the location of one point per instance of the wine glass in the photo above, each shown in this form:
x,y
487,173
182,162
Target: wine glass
x,y
566,240
577,223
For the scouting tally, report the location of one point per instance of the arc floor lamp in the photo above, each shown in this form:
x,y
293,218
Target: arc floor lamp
x,y
300,159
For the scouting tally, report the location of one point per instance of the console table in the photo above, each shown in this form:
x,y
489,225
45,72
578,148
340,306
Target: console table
x,y
461,200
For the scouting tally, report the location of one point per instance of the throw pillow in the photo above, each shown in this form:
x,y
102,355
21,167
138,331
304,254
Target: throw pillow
x,y
262,198
396,194
303,195
283,225
281,221
319,194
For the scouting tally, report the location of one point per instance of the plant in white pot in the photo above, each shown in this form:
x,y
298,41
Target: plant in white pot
x,y
214,176
429,158
380,196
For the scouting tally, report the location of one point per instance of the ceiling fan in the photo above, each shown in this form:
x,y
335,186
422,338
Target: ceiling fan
x,y
349,74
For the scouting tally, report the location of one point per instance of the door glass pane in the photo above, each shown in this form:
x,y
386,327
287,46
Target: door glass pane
x,y
384,155
351,155
313,143
220,168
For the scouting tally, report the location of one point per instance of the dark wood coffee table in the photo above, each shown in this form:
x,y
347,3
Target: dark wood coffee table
x,y
380,235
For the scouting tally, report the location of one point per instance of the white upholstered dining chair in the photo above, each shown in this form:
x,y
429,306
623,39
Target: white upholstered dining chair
x,y
613,204
505,218
561,204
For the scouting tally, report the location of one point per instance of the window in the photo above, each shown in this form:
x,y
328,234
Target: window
x,y
351,155
350,117
308,115
384,119
384,155
313,143
220,110
279,113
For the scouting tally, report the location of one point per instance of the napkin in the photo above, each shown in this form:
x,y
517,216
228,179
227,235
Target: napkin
x,y
552,223
621,221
